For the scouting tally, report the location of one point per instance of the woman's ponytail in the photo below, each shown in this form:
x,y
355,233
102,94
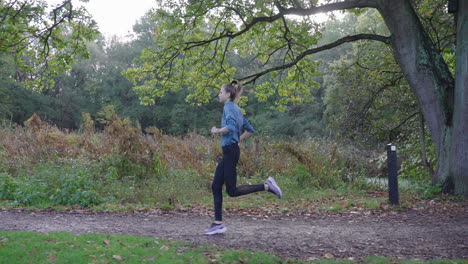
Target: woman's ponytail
x,y
239,90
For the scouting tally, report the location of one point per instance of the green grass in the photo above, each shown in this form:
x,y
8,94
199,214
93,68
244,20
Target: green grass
x,y
29,247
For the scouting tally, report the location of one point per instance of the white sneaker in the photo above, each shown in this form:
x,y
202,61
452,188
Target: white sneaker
x,y
215,229
273,187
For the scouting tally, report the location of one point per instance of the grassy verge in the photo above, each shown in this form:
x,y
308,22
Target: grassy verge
x,y
29,247
295,202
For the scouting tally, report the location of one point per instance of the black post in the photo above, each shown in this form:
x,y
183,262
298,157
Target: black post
x,y
392,167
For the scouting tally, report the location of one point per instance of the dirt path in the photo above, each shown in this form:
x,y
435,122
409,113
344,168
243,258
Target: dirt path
x,y
410,234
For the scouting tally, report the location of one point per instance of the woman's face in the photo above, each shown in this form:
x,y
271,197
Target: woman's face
x,y
223,96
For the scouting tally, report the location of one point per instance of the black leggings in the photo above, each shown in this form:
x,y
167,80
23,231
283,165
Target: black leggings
x,y
226,173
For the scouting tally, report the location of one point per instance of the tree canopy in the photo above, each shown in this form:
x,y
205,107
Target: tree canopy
x,y
44,41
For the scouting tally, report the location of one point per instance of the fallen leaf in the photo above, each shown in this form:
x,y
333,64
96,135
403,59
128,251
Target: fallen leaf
x,y
117,257
328,256
164,248
106,241
52,259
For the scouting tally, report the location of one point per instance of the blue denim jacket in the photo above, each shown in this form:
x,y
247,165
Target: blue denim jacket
x,y
235,122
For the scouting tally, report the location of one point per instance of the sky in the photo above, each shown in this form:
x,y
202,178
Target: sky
x,y
115,17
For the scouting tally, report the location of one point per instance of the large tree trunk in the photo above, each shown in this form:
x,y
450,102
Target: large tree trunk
x,y
434,88
459,151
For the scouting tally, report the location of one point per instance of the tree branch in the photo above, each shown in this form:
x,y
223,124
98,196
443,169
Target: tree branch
x,y
288,11
56,23
369,103
10,8
344,5
301,56
228,34
404,121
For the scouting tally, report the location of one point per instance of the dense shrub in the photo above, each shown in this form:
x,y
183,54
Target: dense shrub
x,y
43,165
325,164
68,183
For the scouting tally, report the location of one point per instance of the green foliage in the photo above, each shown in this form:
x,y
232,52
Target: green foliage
x,y
66,183
412,166
325,165
167,68
300,121
182,58
440,26
366,98
6,83
122,167
42,42
87,125
426,190
8,186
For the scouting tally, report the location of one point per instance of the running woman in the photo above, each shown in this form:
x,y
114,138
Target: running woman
x,y
232,124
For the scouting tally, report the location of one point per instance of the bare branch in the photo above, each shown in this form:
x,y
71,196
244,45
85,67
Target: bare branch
x,y
56,23
237,13
285,36
344,5
375,94
270,55
301,56
255,21
404,121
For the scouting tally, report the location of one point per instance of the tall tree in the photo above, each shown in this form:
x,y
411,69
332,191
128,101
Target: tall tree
x,y
43,41
190,52
7,70
456,138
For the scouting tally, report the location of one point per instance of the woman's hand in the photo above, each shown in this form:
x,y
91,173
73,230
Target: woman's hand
x,y
215,130
245,135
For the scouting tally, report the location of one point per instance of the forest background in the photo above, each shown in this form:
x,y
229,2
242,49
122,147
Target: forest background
x,y
90,117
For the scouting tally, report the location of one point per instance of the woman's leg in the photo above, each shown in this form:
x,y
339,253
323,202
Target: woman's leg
x,y
217,189
231,156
